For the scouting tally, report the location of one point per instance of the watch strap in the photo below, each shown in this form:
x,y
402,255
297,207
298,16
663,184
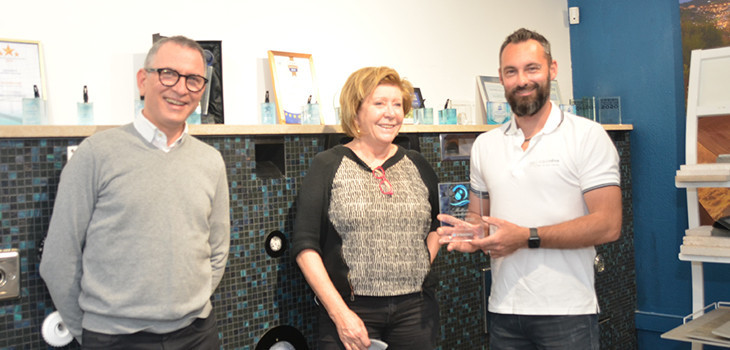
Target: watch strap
x,y
534,240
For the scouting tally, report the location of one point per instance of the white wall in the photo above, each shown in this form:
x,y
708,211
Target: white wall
x,y
440,46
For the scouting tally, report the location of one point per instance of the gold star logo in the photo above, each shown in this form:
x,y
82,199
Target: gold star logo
x,y
8,51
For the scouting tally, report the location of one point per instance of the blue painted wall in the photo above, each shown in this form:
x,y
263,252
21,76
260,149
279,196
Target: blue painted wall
x,y
632,49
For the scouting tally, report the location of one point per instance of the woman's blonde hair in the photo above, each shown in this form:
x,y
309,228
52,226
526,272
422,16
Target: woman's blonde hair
x,y
360,85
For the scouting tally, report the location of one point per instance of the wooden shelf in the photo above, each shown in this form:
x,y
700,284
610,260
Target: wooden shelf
x,y
23,131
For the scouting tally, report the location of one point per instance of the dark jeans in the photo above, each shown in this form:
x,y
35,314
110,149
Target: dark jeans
x,y
404,322
201,334
523,332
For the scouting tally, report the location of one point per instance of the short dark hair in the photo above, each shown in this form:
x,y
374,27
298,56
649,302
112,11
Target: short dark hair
x,y
178,39
522,35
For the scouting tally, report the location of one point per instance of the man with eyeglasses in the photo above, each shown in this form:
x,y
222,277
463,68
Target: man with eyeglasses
x,y
140,231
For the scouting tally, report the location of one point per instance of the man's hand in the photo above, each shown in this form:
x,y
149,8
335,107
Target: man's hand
x,y
460,234
499,238
504,238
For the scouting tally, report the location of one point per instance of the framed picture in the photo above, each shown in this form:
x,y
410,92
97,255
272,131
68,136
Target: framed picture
x,y
555,93
464,112
212,102
295,84
490,89
21,76
417,98
456,146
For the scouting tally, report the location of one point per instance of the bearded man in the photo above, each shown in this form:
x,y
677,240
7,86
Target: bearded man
x,y
548,186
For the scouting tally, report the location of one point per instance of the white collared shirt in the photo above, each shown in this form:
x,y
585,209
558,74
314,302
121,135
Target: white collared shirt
x,y
539,186
153,134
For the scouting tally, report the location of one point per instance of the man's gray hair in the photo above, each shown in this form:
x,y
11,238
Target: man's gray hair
x,y
178,39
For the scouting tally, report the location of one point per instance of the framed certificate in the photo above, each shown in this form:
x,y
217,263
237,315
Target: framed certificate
x,y
21,76
491,89
555,92
295,84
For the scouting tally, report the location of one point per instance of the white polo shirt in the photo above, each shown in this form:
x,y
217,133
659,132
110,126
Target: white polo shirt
x,y
543,185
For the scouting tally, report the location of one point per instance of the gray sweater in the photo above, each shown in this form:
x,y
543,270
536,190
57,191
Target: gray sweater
x,y
139,238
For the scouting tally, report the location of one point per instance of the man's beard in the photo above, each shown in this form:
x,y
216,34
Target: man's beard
x,y
522,106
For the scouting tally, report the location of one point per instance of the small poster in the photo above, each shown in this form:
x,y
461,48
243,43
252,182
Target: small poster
x,y
21,76
295,84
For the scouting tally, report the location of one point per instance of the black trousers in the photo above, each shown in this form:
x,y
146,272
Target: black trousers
x,y
201,334
406,322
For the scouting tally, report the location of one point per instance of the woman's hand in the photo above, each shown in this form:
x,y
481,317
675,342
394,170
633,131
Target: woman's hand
x,y
351,330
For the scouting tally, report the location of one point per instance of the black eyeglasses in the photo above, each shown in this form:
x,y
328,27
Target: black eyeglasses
x,y
384,185
169,77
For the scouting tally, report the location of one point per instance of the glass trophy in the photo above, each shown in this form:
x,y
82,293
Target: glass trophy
x,y
417,115
427,116
447,116
569,109
268,113
585,107
609,110
465,223
85,111
498,113
34,111
310,114
194,118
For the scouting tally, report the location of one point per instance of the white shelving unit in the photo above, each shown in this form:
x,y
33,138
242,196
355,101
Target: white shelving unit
x,y
707,97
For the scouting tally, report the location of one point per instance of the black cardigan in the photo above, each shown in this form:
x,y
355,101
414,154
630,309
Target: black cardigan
x,y
312,227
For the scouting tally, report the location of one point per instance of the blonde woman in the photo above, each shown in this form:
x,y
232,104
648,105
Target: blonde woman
x,y
364,231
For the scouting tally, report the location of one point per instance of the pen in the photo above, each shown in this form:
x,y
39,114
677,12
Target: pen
x,y
266,99
86,94
447,103
36,94
309,100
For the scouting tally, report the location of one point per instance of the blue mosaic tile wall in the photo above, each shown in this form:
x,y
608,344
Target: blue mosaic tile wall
x,y
259,292
616,285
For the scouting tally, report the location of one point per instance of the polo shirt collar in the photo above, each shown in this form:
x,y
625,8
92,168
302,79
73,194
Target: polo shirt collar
x,y
554,120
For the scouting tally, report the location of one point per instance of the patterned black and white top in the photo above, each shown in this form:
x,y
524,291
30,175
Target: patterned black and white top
x,y
371,243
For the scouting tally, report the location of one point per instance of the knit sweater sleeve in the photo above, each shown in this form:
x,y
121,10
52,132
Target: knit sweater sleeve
x,y
61,261
220,228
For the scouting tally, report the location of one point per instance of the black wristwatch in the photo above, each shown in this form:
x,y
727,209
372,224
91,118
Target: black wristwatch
x,y
534,240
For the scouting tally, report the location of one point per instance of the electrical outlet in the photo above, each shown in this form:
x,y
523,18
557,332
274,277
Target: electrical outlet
x,y
9,274
70,150
574,15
